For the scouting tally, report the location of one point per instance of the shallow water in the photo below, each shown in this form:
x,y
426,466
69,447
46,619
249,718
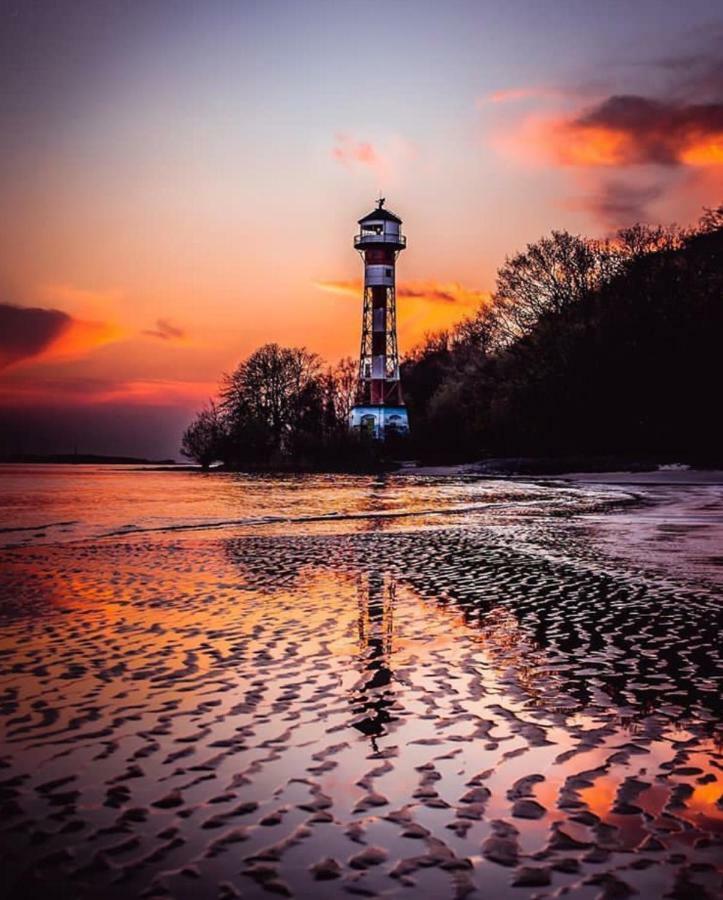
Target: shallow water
x,y
47,504
471,693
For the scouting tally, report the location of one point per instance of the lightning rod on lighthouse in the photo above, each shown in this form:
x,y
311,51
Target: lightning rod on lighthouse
x,y
379,409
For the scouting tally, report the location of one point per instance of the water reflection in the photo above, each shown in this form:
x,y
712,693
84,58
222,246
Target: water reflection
x,y
208,706
572,636
373,695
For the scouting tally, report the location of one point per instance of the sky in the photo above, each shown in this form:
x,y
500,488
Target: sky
x,y
180,181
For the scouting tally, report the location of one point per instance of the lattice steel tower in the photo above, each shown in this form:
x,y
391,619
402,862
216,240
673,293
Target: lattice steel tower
x,y
379,408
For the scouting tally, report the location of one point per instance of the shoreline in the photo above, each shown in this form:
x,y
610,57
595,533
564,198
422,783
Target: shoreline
x,y
609,469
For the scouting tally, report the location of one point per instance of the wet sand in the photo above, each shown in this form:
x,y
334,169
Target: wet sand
x,y
489,703
674,524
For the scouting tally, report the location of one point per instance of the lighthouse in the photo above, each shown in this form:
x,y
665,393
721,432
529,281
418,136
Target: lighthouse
x,y
379,409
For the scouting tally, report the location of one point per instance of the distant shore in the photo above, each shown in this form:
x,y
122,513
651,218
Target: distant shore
x,y
603,469
594,469
94,459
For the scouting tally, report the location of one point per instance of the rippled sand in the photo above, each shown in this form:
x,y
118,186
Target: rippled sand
x,y
417,708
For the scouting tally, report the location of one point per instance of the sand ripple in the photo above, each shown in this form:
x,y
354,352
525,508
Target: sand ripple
x,y
423,713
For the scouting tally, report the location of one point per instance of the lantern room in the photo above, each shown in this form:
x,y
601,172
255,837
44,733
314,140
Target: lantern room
x,y
380,228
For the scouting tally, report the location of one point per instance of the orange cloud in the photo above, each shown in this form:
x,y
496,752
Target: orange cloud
x,y
704,153
450,292
575,146
630,130
626,152
351,288
82,338
428,291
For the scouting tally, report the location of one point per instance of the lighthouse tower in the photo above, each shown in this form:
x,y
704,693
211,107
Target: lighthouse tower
x,y
379,410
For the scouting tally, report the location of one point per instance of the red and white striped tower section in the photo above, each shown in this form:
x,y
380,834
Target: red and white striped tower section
x,y
379,409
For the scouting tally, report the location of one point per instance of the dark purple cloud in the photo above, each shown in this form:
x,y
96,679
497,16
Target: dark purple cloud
x,y
633,149
27,331
165,331
618,203
660,132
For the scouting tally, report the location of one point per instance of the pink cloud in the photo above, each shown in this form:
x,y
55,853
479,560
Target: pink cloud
x,y
350,152
511,95
387,161
26,390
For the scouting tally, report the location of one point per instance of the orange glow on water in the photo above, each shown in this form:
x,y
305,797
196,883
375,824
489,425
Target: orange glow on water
x,y
337,658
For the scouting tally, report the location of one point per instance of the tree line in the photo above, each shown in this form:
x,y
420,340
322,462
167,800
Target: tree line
x,y
281,408
587,347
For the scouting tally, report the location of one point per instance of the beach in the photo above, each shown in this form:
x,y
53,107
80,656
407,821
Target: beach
x,y
426,686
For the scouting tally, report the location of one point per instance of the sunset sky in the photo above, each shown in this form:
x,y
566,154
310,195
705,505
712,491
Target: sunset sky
x,y
180,182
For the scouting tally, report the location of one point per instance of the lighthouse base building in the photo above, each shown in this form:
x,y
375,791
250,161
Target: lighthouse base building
x,y
379,421
379,410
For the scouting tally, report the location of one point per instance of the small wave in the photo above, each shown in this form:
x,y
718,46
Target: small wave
x,y
15,528
568,504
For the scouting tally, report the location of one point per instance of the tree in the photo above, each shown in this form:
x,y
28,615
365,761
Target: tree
x,y
203,440
269,399
344,379
551,275
711,220
639,240
589,348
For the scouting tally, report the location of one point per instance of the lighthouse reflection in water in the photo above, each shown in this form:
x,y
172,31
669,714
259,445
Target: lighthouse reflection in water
x,y
373,696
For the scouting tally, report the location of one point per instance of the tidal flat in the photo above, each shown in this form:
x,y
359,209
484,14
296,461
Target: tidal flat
x,y
231,686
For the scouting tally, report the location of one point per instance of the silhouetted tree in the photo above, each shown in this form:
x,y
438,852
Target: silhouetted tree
x,y
549,276
203,440
639,240
344,378
280,409
267,399
589,348
710,222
